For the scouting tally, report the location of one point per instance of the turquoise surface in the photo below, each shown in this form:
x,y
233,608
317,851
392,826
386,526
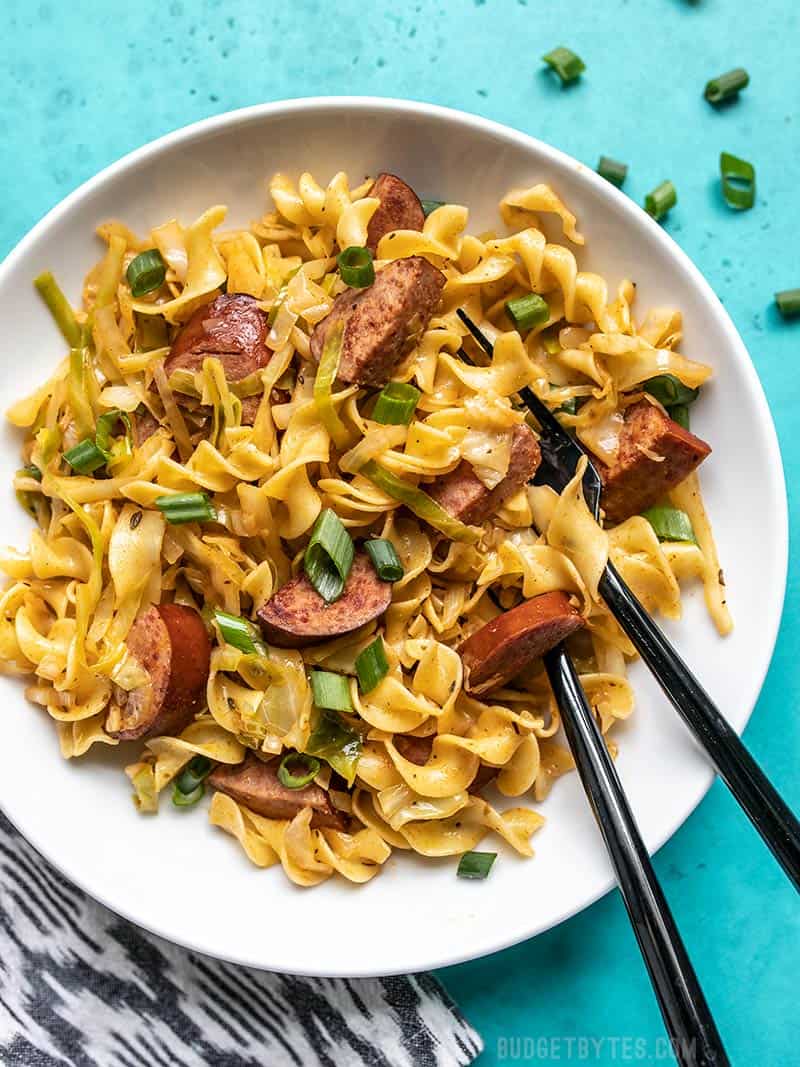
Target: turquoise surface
x,y
83,83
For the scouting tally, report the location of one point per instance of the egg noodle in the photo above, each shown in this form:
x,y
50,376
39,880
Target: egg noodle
x,y
92,566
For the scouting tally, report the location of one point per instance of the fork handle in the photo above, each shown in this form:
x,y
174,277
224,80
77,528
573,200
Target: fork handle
x,y
690,1025
736,767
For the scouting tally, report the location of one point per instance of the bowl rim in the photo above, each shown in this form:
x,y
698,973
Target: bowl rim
x,y
391,105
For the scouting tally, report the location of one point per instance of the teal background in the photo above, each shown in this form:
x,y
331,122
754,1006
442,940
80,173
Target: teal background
x,y
83,83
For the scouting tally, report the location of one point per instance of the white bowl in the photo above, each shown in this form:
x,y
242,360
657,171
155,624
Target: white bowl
x,y
187,881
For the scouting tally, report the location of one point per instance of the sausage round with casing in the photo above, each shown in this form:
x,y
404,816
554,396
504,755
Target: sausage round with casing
x,y
399,209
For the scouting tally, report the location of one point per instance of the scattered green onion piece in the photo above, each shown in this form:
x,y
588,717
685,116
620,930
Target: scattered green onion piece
x,y
331,691
680,413
429,206
476,864
310,769
528,311
738,181
186,507
569,407
372,665
612,171
105,424
193,774
239,632
356,267
567,65
329,556
418,501
85,457
726,86
788,303
146,272
187,800
659,202
59,307
323,384
334,740
384,559
396,404
31,471
669,390
670,524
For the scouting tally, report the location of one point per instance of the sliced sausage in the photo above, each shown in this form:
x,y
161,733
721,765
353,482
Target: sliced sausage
x,y
418,750
297,615
380,319
170,642
654,455
255,785
399,208
250,404
144,426
465,497
500,649
233,328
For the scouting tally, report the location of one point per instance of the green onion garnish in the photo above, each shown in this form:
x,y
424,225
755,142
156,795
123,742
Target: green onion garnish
x,y
565,63
659,202
146,272
356,267
429,206
680,413
669,390
726,86
612,171
528,311
372,665
187,800
334,740
60,308
296,770
85,457
396,404
104,428
186,507
193,774
384,559
788,303
738,181
31,471
573,405
670,524
331,691
329,556
476,864
239,632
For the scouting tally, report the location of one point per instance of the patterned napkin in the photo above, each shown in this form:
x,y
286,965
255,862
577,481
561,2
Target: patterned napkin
x,y
83,987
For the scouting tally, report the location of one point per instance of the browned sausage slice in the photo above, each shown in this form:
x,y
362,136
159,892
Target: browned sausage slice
x,y
255,785
465,497
500,649
170,642
297,615
399,208
144,426
250,404
380,319
233,328
654,455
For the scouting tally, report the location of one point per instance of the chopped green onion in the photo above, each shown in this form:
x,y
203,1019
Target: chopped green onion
x,y
418,501
331,691
60,308
372,665
396,404
186,507
187,800
123,446
429,206
659,202
612,171
679,413
571,406
356,267
738,181
146,272
669,390
670,524
308,766
239,632
85,457
334,740
323,384
726,86
528,311
384,559
193,774
567,65
329,556
476,864
788,303
31,471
